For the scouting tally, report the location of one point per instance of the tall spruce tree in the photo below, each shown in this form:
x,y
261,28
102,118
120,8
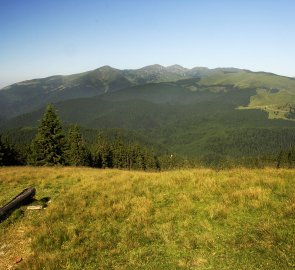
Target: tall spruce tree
x,y
119,153
76,154
103,156
48,145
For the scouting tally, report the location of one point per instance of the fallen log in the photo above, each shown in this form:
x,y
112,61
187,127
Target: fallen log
x,y
22,198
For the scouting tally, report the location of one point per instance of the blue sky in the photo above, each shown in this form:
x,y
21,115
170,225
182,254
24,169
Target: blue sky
x,y
39,38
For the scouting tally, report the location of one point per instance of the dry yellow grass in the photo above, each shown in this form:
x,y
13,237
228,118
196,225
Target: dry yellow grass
x,y
186,219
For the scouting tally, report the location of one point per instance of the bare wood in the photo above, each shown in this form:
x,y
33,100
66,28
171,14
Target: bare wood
x,y
22,198
35,207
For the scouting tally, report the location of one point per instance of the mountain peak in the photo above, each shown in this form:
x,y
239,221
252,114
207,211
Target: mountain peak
x,y
106,68
155,67
176,68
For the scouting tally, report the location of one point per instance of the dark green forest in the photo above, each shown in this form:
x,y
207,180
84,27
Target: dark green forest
x,y
53,144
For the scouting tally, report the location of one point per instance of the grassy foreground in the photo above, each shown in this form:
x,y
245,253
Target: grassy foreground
x,y
111,219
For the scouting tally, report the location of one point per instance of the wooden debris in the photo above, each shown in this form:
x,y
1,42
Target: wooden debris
x,y
35,207
23,198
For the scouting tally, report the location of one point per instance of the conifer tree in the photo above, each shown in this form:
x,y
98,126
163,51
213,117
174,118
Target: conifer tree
x,y
151,160
119,153
106,156
137,157
76,153
103,156
2,152
48,145
284,159
8,154
291,157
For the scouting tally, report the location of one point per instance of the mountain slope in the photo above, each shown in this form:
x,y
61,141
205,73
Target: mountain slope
x,y
201,113
274,94
30,95
204,123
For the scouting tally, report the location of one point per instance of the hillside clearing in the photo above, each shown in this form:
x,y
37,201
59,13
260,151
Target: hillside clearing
x,y
188,219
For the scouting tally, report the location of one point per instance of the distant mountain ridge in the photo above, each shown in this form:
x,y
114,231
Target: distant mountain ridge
x,y
32,94
273,93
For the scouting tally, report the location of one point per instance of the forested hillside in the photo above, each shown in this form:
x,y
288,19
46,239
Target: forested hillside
x,y
213,116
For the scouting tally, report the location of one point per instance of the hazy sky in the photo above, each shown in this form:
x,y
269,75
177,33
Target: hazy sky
x,y
40,38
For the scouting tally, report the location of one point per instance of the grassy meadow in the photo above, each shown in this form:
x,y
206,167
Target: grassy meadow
x,y
186,219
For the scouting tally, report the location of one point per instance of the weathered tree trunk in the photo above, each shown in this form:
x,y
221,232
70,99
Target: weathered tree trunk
x,y
24,197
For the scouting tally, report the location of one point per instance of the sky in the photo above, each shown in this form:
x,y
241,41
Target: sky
x,y
40,38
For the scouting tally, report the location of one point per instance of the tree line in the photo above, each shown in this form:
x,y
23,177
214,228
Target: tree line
x,y
51,146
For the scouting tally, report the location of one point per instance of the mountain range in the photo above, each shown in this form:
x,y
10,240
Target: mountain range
x,y
193,112
29,95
